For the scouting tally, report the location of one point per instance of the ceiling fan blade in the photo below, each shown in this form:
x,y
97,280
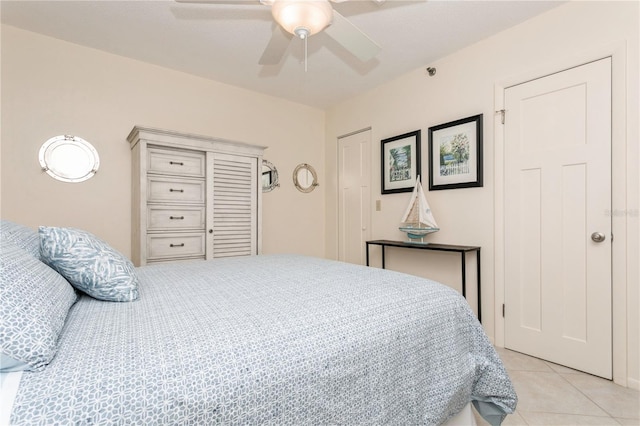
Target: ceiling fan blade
x,y
375,1
275,50
235,2
351,38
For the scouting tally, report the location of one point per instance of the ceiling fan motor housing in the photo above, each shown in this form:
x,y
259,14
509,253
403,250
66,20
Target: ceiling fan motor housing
x,y
302,17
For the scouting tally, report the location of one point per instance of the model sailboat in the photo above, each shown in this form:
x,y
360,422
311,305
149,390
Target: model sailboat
x,y
418,220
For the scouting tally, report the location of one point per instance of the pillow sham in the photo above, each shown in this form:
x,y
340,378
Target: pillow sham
x,y
21,236
90,264
34,303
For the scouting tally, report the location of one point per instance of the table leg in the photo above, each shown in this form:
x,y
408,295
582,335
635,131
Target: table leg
x,y
464,274
367,254
382,256
479,287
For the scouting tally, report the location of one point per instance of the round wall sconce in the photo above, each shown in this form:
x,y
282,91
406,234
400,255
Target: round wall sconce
x,y
69,158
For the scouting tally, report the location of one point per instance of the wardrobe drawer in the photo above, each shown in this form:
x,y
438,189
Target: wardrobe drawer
x,y
175,245
174,190
178,259
174,218
166,161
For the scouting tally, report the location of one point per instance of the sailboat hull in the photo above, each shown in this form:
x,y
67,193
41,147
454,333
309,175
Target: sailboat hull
x,y
415,233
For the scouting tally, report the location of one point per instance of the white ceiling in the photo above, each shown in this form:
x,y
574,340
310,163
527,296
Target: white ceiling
x,y
225,42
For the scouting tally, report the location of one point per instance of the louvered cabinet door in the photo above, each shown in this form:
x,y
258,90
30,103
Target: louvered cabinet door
x,y
233,212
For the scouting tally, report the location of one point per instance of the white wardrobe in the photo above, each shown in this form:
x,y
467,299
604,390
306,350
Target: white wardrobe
x,y
193,197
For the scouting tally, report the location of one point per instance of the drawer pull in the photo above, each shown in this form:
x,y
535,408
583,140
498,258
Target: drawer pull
x,y
177,163
176,190
176,245
176,217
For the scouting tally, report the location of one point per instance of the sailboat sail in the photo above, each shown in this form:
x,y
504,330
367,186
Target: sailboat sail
x,y
418,214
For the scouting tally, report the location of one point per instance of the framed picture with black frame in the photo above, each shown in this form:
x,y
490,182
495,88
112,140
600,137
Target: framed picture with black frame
x,y
400,162
455,154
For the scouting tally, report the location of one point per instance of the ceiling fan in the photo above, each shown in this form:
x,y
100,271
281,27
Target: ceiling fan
x,y
304,18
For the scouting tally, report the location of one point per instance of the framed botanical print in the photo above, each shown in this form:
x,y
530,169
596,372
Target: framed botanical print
x,y
400,162
455,154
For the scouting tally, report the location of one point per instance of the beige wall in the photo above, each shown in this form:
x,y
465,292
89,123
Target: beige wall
x,y
51,87
465,85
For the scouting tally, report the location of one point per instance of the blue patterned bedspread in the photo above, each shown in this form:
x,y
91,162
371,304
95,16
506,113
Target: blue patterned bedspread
x,y
268,340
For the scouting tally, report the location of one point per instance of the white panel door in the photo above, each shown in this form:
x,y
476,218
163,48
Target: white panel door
x,y
354,192
557,204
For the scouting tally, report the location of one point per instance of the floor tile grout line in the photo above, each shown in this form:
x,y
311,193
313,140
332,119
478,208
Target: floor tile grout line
x,y
608,415
522,418
572,414
564,374
587,396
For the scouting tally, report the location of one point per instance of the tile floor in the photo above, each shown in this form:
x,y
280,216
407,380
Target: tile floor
x,y
550,394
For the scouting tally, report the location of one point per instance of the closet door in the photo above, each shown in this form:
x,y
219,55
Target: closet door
x,y
232,205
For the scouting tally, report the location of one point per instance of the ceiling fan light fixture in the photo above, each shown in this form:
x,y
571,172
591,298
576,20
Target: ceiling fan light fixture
x,y
302,18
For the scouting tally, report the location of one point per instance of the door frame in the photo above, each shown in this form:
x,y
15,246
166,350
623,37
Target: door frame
x,y
617,52
339,223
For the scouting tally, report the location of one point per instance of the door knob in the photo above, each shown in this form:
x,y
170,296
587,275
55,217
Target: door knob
x,y
598,237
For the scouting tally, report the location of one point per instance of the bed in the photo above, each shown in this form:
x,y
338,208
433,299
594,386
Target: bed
x,y
278,339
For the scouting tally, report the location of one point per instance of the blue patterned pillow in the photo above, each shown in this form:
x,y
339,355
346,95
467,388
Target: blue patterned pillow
x,y
90,264
21,236
34,302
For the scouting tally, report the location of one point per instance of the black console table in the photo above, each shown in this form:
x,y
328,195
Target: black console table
x,y
463,250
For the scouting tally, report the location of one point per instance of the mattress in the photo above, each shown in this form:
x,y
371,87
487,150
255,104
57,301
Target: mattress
x,y
275,340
